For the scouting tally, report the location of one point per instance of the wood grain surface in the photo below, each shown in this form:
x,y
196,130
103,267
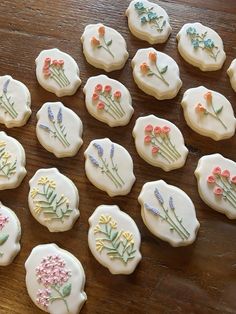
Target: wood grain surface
x,y
200,278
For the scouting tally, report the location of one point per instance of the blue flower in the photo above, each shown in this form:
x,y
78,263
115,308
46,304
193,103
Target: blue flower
x,y
152,16
195,43
191,31
209,43
143,20
139,6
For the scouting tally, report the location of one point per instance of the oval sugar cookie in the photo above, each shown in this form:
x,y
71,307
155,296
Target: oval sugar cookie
x,y
232,74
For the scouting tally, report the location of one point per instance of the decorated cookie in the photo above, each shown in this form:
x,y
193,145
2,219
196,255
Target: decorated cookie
x,y
156,73
12,162
15,101
114,239
108,100
232,74
55,280
109,167
201,46
159,142
208,113
10,233
168,213
148,21
57,72
216,178
104,47
53,200
59,129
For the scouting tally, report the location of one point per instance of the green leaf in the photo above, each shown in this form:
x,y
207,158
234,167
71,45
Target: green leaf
x,y
109,42
150,74
219,110
163,70
114,235
3,238
66,290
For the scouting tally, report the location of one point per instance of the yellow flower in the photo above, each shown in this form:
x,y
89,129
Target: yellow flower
x,y
2,143
128,236
99,245
6,156
113,224
97,229
104,219
43,180
34,192
37,209
52,184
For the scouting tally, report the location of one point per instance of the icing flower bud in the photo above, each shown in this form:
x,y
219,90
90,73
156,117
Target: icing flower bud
x,y
47,61
166,129
157,130
216,170
148,128
144,68
60,62
155,150
100,106
225,174
147,139
101,31
98,88
54,62
95,96
211,179
233,180
218,191
208,97
152,56
117,94
107,88
47,74
199,108
95,41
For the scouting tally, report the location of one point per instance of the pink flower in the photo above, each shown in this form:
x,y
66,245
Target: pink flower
x,y
216,170
211,179
200,109
98,88
100,106
148,128
95,41
218,191
101,31
225,174
60,62
147,139
3,221
47,61
47,74
152,56
43,297
45,68
208,96
107,88
155,150
166,129
144,68
157,130
233,180
95,96
117,94
54,62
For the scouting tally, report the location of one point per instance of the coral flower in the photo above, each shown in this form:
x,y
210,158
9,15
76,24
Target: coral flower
x,y
199,108
95,41
216,170
155,150
95,96
166,129
117,94
47,74
225,174
101,31
157,130
60,62
98,88
152,56
233,180
144,68
45,68
100,106
208,96
218,191
47,61
211,179
54,62
147,139
107,88
148,128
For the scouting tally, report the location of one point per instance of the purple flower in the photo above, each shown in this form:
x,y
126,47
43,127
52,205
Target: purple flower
x,y
50,114
171,203
44,127
154,210
99,149
158,196
5,86
93,161
112,150
59,116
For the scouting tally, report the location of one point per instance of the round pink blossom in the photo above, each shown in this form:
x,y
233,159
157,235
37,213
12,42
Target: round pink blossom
x,y
233,179
43,297
225,173
3,221
216,170
166,129
218,191
211,179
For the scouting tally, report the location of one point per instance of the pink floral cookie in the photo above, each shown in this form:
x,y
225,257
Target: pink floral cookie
x,y
216,177
159,142
55,280
104,47
108,100
10,234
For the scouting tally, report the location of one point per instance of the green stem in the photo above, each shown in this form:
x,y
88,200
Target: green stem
x,y
5,107
227,189
61,137
161,146
161,76
216,116
116,171
107,48
162,153
119,108
108,171
172,147
56,77
228,196
179,221
112,106
62,297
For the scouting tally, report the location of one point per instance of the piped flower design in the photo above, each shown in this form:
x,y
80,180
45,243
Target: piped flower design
x,y
148,16
6,102
159,138
7,163
110,103
48,202
157,72
54,276
119,244
214,113
3,236
107,165
168,215
200,41
224,185
54,69
58,130
102,42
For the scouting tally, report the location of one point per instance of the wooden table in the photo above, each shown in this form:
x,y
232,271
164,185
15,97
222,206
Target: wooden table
x,y
196,279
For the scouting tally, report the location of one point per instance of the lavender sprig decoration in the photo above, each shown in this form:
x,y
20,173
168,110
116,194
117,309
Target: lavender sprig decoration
x,y
44,127
6,102
171,203
158,196
112,150
50,114
99,149
154,210
93,161
5,86
59,116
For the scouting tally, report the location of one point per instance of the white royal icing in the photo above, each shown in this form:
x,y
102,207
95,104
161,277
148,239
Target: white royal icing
x,y
232,74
